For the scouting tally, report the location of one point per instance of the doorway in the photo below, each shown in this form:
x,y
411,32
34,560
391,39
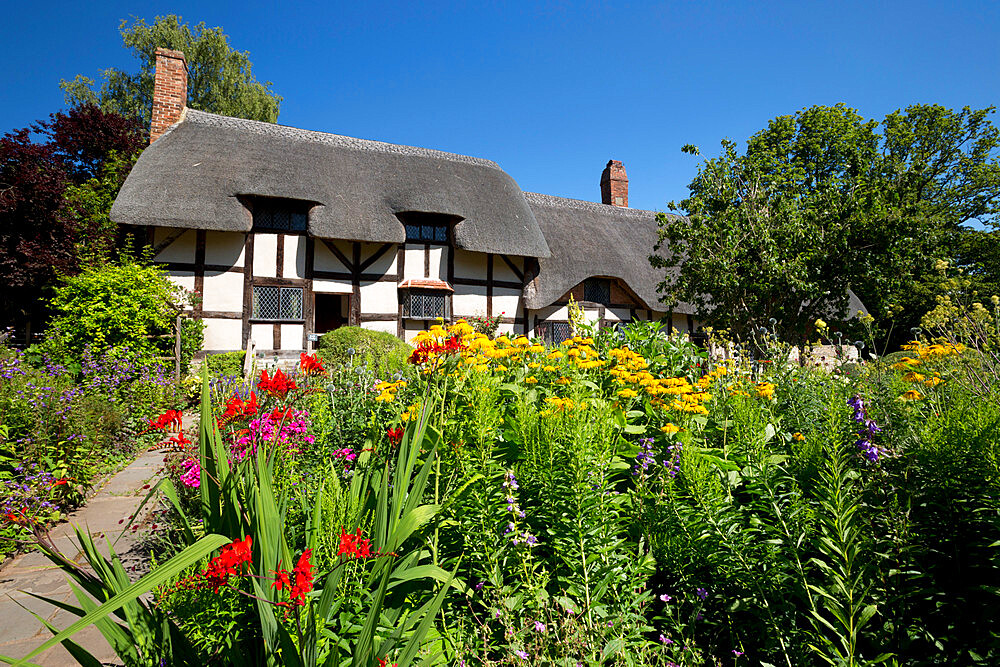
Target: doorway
x,y
330,312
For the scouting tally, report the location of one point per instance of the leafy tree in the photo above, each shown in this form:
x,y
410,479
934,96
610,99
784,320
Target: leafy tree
x,y
47,214
822,202
220,79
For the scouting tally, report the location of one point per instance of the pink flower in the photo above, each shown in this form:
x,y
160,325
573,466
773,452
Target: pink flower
x,y
191,477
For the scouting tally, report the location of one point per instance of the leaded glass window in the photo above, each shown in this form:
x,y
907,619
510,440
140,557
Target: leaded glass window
x,y
555,332
597,290
279,216
426,233
276,303
421,305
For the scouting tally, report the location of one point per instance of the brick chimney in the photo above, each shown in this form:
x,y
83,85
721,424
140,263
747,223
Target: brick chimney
x,y
614,184
169,91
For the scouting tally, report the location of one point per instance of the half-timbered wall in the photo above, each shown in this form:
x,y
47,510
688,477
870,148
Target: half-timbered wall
x,y
364,278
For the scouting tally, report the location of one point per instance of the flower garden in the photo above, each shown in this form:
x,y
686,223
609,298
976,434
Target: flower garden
x,y
619,498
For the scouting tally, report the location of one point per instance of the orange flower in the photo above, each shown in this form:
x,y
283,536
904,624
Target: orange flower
x,y
311,364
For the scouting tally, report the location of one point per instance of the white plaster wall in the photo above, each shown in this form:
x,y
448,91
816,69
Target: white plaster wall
x,y
622,314
413,265
439,263
295,257
324,260
469,264
225,248
265,252
505,301
223,334
332,286
379,297
384,264
507,329
183,279
389,327
263,336
502,272
468,300
223,292
179,250
291,336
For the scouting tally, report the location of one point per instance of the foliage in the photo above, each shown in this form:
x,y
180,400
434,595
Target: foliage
x,y
357,346
586,504
821,202
56,191
64,428
226,364
220,79
128,303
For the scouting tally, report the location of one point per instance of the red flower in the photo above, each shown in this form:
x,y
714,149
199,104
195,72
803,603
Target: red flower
x,y
59,482
281,580
237,407
395,435
278,386
303,574
168,418
228,562
311,364
347,543
382,663
180,440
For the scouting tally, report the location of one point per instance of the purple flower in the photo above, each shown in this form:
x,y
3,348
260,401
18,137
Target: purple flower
x,y
539,626
701,593
523,655
665,598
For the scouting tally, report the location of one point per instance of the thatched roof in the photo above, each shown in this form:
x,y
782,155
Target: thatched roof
x,y
590,240
194,175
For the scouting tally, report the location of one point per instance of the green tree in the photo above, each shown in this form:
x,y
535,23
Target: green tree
x,y
220,79
822,202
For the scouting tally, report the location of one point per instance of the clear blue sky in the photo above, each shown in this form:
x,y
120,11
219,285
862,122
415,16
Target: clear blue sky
x,y
550,91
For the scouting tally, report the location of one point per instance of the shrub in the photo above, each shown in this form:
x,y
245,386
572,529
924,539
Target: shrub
x,y
353,346
226,364
115,305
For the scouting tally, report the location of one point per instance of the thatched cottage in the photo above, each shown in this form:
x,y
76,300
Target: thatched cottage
x,y
286,233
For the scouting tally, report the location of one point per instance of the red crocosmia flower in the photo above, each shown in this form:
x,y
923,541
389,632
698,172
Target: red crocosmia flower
x,y
168,418
311,364
180,440
364,548
303,576
382,663
347,544
279,385
395,435
228,562
281,580
452,345
237,407
59,482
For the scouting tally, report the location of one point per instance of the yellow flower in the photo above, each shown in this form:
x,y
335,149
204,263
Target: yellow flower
x,y
385,397
912,395
522,341
555,354
563,380
549,369
531,379
765,389
503,340
913,377
628,393
536,349
534,364
933,381
501,368
669,428
905,362
798,436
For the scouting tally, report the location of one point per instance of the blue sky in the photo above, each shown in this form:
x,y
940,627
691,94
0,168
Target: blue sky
x,y
550,91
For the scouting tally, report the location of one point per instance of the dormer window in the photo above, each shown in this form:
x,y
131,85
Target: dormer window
x,y
280,215
597,290
433,228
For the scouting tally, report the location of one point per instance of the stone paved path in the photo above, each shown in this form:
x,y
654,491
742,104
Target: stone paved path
x,y
20,632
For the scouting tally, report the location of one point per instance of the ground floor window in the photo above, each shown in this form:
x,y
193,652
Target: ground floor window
x,y
276,303
554,333
426,305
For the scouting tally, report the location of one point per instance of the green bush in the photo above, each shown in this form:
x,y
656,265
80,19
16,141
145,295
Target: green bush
x,y
125,304
354,346
226,363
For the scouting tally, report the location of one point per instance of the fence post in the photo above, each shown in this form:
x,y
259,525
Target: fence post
x,y
177,349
